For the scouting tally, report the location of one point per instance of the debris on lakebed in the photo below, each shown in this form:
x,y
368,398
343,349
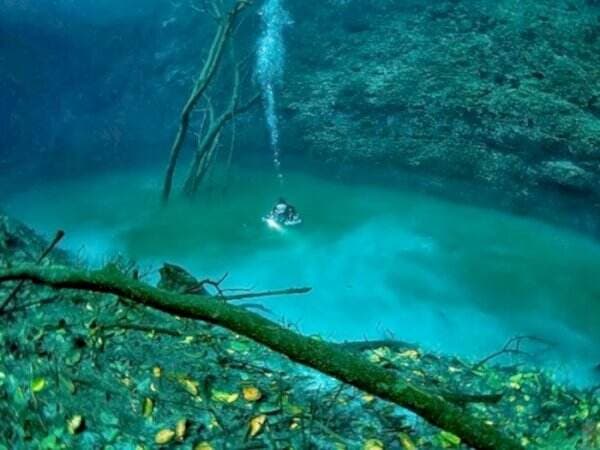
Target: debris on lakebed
x,y
90,371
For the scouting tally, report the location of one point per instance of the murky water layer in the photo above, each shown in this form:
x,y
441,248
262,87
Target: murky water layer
x,y
381,262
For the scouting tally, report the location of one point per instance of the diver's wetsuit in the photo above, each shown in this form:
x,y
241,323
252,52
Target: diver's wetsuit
x,y
284,212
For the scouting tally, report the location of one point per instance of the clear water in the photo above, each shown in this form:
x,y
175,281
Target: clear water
x,y
381,262
269,68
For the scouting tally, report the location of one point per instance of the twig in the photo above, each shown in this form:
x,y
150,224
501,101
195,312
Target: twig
x,y
57,238
513,347
25,306
215,284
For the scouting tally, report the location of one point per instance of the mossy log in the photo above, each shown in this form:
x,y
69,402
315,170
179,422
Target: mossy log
x,y
346,366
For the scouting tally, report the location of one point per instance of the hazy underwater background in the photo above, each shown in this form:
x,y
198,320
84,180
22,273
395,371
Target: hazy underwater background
x,y
444,157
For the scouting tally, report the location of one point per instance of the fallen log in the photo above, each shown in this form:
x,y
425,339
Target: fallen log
x,y
328,358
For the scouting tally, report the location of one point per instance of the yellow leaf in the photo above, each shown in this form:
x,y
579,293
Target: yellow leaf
x,y
190,386
75,424
374,358
164,436
256,425
295,424
406,442
38,384
368,398
251,394
156,371
412,354
203,446
224,397
147,407
382,352
181,429
449,440
373,444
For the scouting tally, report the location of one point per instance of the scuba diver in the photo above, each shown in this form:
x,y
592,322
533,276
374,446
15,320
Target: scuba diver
x,y
283,214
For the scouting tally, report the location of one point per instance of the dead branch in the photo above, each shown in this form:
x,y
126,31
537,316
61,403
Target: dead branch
x,y
25,306
216,284
513,347
222,36
292,291
60,234
323,356
207,145
121,325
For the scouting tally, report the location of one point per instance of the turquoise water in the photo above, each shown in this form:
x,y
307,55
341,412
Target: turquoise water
x,y
381,262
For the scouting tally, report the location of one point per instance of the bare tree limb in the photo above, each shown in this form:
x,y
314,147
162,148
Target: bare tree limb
x,y
205,151
222,36
293,291
60,234
513,347
323,356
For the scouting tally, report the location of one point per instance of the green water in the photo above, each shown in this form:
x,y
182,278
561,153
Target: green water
x,y
381,262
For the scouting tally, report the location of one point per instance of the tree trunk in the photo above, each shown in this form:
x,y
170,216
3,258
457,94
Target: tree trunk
x,y
328,358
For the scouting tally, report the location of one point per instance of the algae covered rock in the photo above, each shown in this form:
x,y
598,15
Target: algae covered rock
x,y
502,96
177,279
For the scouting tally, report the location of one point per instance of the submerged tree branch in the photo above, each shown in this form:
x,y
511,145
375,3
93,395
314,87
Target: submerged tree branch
x,y
325,357
292,291
60,234
224,32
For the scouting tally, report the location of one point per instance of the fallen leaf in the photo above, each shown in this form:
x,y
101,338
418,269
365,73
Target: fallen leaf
x,y
75,424
373,444
412,354
203,446
164,436
147,407
368,398
251,393
256,425
374,358
156,371
180,429
406,442
38,384
190,386
224,397
295,424
449,440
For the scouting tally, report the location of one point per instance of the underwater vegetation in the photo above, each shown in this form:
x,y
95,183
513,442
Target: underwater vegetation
x,y
501,94
368,108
